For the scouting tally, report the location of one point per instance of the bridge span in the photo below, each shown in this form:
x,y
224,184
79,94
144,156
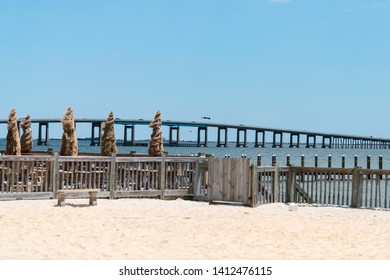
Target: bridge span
x,y
280,137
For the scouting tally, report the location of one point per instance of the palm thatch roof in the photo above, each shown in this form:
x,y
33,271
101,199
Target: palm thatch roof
x,y
108,140
13,138
156,139
26,140
69,144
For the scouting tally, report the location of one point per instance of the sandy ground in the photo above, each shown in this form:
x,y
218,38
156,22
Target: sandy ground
x,y
146,229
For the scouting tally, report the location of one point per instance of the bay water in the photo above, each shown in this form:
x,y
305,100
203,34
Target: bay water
x,y
251,152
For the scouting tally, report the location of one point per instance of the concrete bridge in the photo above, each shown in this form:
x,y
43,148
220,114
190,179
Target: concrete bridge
x,y
280,137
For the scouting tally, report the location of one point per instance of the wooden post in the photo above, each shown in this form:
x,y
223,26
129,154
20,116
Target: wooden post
x,y
356,159
254,186
276,185
355,201
55,175
258,160
161,178
197,184
273,160
112,176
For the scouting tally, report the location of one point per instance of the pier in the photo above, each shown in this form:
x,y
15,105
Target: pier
x,y
295,138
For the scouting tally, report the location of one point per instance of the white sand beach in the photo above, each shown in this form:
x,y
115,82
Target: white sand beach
x,y
147,229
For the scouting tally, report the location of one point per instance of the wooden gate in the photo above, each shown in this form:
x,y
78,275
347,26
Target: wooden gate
x,y
232,180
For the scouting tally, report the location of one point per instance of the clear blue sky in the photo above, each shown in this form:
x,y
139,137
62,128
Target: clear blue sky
x,y
321,65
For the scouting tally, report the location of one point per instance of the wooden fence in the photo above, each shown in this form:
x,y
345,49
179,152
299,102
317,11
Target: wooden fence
x,y
354,187
232,180
208,179
115,177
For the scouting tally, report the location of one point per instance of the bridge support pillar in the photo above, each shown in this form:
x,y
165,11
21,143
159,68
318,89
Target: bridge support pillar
x,y
42,141
297,143
326,142
126,141
243,144
174,130
311,144
95,141
225,140
280,142
205,141
262,144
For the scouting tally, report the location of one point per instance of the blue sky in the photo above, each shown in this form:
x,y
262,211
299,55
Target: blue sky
x,y
320,65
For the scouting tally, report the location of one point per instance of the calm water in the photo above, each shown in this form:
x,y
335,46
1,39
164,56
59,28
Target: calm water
x,y
252,153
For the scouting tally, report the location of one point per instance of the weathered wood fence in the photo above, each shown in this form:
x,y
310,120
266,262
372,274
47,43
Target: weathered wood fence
x,y
115,177
232,180
236,180
354,187
208,179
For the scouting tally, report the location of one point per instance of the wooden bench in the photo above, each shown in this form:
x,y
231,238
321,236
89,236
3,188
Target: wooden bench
x,y
91,192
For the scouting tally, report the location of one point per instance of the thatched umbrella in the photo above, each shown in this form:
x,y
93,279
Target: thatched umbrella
x,y
156,141
13,138
69,144
108,140
26,140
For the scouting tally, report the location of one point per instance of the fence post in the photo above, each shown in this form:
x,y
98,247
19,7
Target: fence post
x,y
356,159
254,186
55,175
259,160
276,184
112,176
161,177
274,160
196,186
355,201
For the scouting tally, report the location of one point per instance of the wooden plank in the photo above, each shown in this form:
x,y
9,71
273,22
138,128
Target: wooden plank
x,y
112,176
226,183
28,196
218,173
234,193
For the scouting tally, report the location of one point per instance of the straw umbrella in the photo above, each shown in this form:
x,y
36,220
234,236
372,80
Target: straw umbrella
x,y
69,144
13,138
26,140
108,140
156,141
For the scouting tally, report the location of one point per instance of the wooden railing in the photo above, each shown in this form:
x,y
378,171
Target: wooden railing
x,y
165,177
43,176
354,187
